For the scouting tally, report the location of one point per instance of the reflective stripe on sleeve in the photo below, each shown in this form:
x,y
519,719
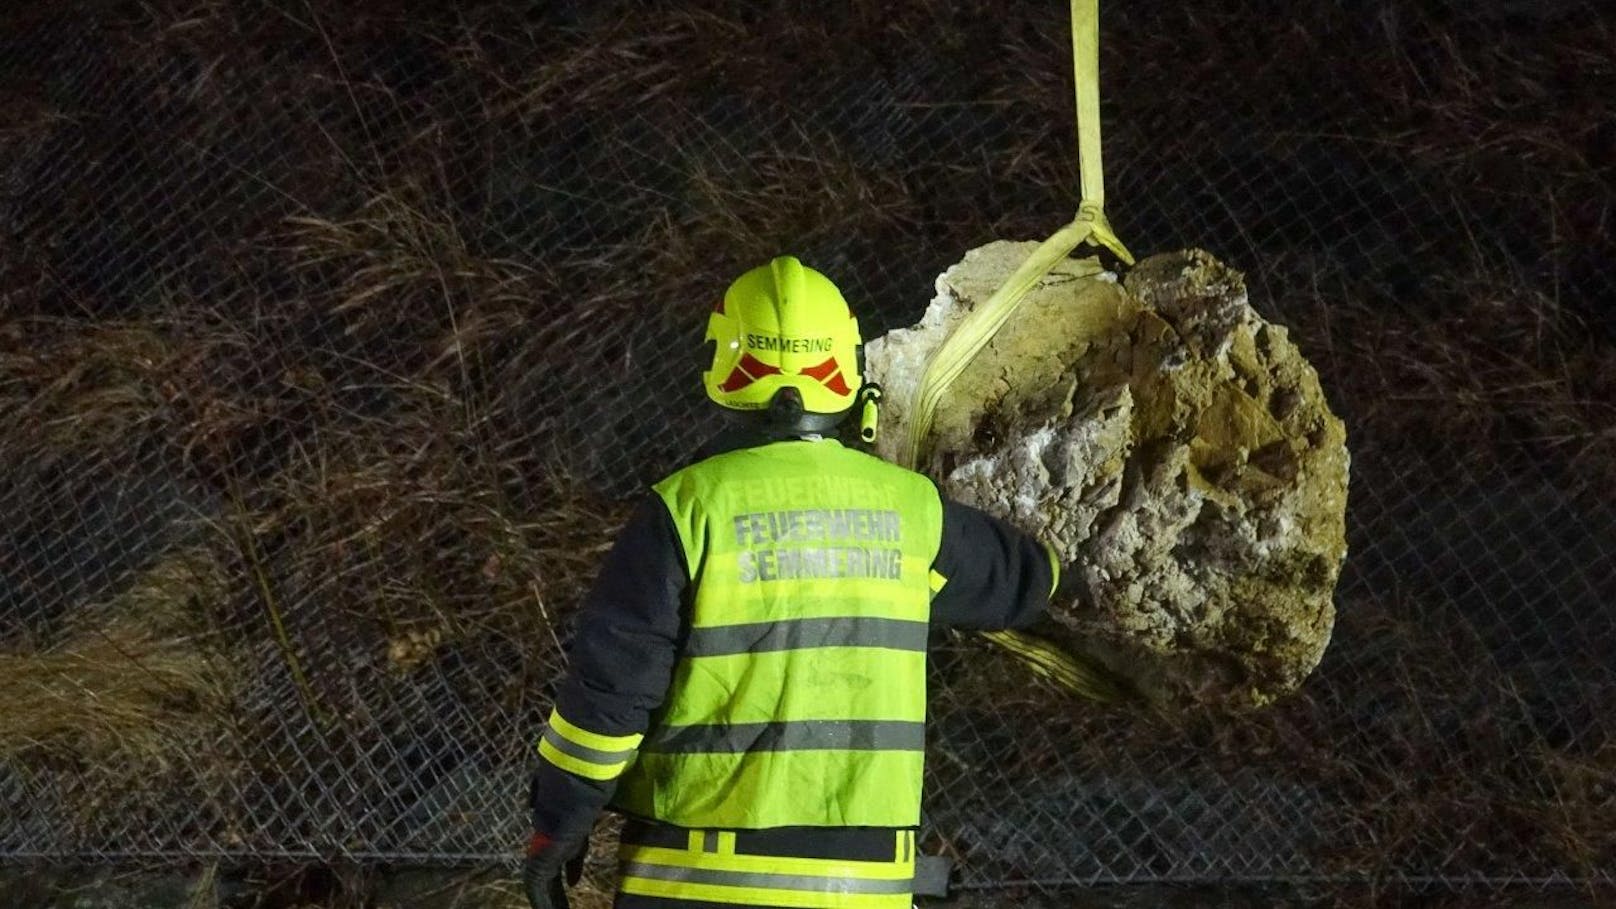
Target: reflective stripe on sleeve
x,y
587,754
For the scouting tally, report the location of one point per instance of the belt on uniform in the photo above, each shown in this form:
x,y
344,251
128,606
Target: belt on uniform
x,y
808,867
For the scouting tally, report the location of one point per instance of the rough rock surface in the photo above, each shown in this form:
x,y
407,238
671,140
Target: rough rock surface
x,y
1174,448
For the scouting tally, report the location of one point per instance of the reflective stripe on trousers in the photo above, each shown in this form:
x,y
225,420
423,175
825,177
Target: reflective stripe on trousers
x,y
709,869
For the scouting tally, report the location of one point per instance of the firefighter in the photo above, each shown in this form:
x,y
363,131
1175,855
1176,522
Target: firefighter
x,y
747,683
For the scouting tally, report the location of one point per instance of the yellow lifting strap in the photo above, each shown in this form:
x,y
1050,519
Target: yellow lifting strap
x,y
1075,674
978,328
1090,225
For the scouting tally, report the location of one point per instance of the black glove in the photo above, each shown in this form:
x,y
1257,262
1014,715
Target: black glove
x,y
542,871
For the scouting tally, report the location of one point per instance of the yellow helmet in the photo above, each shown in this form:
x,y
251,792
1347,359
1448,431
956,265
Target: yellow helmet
x,y
785,326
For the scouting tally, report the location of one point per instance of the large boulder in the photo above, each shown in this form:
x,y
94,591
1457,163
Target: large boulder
x,y
1173,447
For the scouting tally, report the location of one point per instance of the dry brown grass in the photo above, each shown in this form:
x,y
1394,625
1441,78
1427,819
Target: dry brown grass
x,y
1475,94
84,385
400,267
115,695
397,480
1499,373
1580,807
187,380
134,683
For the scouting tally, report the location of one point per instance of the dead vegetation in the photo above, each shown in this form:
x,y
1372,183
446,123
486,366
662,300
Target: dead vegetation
x,y
133,700
127,679
1501,375
419,375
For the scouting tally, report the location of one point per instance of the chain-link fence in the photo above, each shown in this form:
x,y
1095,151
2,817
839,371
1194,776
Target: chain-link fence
x,y
333,338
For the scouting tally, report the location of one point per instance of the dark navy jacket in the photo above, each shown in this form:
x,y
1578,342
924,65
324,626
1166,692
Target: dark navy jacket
x,y
631,627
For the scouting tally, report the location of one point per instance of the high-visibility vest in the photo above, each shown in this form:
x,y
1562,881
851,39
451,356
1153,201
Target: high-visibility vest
x,y
799,698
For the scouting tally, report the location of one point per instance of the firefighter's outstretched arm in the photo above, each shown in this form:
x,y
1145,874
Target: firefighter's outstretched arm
x,y
622,657
989,576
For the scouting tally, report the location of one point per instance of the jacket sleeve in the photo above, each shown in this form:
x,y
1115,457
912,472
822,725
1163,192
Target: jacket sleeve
x,y
992,576
622,657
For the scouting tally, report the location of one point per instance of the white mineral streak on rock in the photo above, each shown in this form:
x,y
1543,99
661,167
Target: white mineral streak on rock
x,y
1170,444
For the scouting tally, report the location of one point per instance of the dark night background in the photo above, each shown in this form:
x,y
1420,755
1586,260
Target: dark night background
x,y
333,336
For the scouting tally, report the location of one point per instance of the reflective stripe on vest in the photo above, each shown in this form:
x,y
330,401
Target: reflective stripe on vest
x,y
711,871
803,735
794,634
805,664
